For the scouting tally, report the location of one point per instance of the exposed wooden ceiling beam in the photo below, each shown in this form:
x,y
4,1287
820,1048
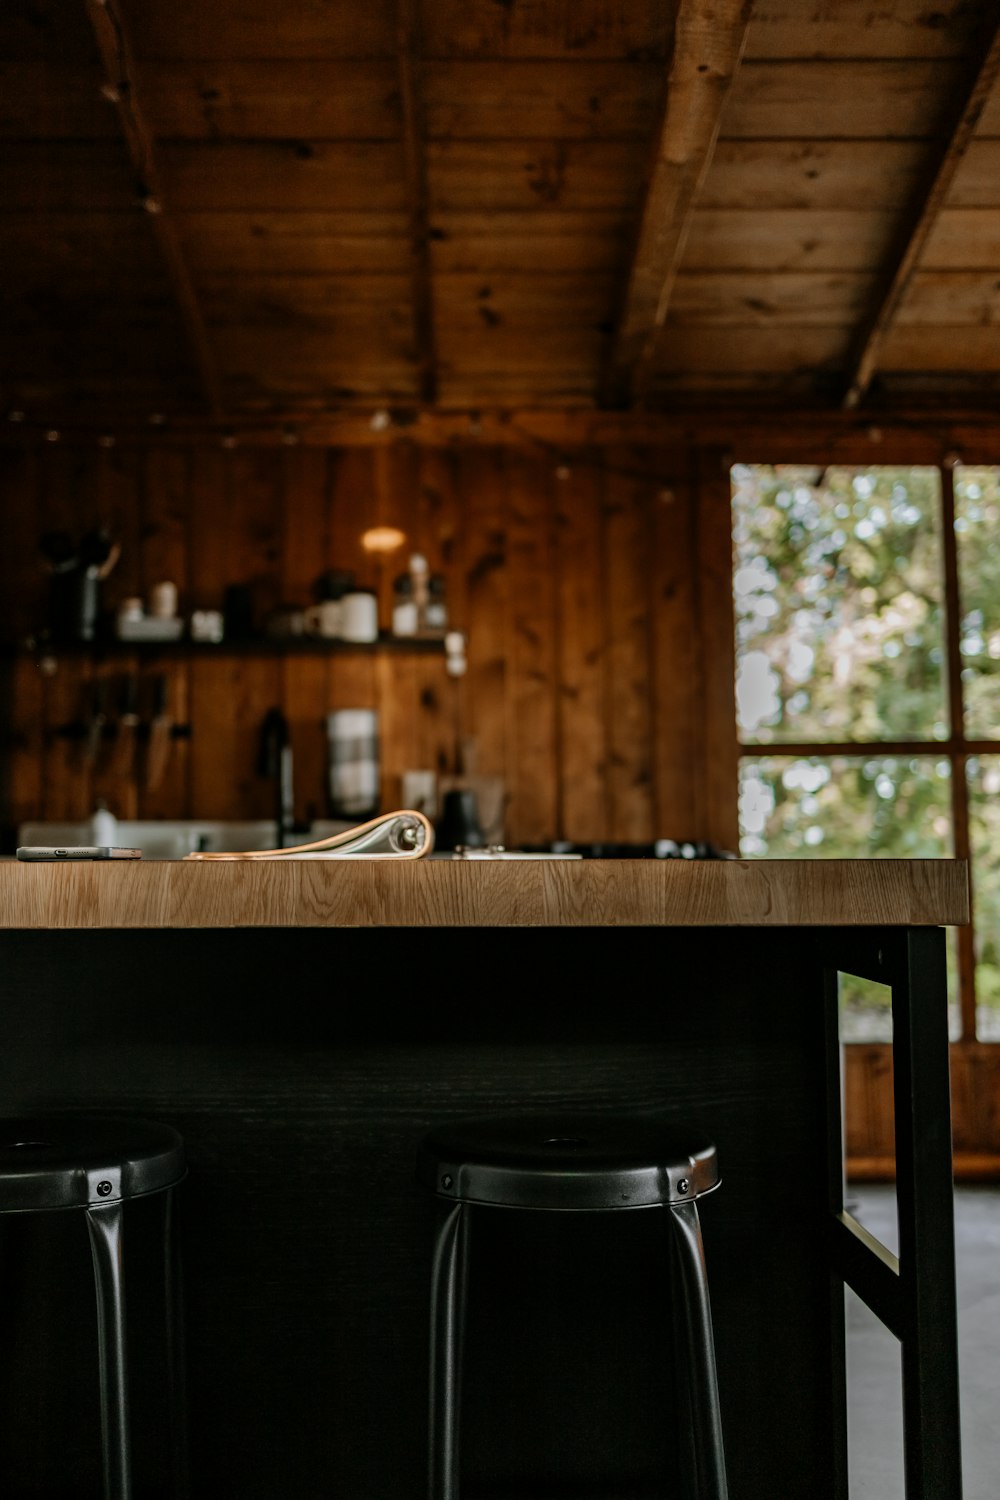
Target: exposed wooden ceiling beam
x,y
709,38
117,59
408,53
898,273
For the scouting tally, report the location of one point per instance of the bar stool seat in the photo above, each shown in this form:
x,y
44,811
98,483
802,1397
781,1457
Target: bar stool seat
x,y
97,1165
568,1164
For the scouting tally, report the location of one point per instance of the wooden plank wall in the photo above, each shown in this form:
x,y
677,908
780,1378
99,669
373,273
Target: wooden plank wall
x,y
593,649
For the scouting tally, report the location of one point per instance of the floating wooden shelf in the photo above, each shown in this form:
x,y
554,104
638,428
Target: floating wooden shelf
x,y
254,646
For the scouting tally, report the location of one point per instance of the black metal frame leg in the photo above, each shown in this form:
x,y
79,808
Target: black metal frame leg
x,y
448,1277
924,1197
913,1294
176,1354
706,1410
105,1226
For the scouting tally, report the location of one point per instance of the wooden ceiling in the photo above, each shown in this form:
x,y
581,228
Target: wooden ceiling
x,y
264,207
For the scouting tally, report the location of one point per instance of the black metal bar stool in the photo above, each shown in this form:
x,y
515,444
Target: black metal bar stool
x,y
590,1164
98,1165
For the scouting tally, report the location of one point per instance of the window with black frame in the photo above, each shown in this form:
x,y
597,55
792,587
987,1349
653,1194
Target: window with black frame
x,y
867,606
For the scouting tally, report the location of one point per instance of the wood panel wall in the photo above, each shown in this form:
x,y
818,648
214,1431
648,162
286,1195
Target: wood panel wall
x,y
593,588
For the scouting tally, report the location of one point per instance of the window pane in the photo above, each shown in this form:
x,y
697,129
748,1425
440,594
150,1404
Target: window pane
x,y
984,833
856,807
865,1005
838,598
865,1009
845,807
977,531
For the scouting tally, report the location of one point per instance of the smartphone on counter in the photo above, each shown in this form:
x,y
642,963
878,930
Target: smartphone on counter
x,y
78,851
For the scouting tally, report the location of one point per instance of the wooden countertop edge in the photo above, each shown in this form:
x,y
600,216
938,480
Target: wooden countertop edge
x,y
514,893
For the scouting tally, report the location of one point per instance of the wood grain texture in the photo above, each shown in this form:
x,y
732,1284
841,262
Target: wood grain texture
x,y
487,594
859,28
717,655
124,88
975,1091
708,46
531,654
582,730
762,175
463,893
678,671
23,584
628,627
880,98
330,174
583,29
957,131
174,29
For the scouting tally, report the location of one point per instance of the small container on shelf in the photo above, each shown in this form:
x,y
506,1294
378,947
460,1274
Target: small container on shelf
x,y
404,607
436,612
207,626
130,611
163,600
419,580
150,628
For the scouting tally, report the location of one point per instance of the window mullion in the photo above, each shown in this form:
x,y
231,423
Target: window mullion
x,y
956,709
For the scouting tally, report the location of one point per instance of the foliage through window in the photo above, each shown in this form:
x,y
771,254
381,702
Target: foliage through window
x,y
854,743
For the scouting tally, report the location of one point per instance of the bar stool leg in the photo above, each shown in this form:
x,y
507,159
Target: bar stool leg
x,y
687,1446
105,1225
176,1363
447,1322
704,1381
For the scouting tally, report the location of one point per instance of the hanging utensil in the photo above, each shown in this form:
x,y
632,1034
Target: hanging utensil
x,y
96,721
126,734
160,735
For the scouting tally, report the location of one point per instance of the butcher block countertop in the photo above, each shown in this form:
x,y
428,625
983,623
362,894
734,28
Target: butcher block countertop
x,y
484,893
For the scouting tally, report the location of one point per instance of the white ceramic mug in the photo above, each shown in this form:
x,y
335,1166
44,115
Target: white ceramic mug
x,y
324,619
359,617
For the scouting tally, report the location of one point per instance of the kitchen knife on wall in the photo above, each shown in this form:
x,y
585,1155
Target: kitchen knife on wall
x,y
126,736
160,735
96,720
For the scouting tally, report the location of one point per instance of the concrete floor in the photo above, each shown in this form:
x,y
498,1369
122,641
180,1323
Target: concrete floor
x,y
874,1396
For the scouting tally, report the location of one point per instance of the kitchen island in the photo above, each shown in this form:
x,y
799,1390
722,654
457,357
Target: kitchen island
x,y
304,1023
